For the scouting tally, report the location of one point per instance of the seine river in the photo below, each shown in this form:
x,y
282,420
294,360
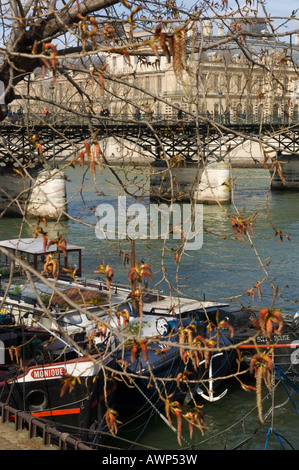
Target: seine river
x,y
222,268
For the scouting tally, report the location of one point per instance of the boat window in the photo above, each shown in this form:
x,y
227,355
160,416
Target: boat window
x,y
73,319
198,315
40,262
72,259
123,307
37,400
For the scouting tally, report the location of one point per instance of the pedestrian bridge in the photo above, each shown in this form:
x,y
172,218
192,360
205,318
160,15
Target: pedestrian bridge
x,y
189,157
36,140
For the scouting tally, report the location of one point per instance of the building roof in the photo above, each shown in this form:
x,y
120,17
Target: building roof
x,y
260,42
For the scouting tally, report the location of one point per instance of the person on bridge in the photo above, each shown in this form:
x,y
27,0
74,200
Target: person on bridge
x,y
20,113
46,113
9,113
105,112
137,114
14,118
180,114
227,116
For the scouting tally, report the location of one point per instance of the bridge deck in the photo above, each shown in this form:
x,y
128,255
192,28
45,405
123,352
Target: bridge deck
x,y
173,137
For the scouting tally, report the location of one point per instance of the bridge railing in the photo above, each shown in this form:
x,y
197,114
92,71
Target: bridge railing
x,y
71,119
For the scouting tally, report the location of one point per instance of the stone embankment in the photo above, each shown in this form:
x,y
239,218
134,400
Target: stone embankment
x,y
10,439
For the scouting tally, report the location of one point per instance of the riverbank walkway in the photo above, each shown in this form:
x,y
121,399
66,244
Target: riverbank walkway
x,y
21,431
10,439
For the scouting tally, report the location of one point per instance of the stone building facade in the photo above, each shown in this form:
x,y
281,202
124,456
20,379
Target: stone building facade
x,y
225,82
259,81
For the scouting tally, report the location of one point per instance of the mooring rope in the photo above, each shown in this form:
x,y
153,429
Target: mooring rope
x,y
158,412
283,377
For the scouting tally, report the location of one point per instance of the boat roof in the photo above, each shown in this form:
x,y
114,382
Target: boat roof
x,y
34,246
177,305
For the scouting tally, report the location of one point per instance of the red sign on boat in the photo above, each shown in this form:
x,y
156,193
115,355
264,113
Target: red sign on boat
x,y
49,372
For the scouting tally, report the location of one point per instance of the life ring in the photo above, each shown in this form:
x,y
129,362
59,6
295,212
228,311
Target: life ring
x,y
295,325
162,326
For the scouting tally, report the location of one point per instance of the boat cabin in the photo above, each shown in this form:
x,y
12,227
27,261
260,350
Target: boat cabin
x,y
32,251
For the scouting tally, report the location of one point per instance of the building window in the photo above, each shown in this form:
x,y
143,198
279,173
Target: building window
x,y
137,84
158,109
216,82
159,83
168,110
249,87
275,112
239,82
286,83
114,61
147,82
227,82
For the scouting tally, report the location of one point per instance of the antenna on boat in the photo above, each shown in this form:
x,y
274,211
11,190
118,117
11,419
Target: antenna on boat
x,y
133,263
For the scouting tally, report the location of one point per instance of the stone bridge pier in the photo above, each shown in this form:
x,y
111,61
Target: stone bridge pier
x,y
191,181
47,197
290,172
43,194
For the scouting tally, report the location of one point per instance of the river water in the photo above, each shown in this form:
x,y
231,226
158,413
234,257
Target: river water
x,y
222,268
